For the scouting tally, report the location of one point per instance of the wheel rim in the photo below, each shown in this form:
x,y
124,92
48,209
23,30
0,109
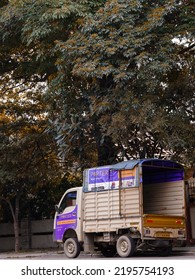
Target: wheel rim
x,y
70,248
124,246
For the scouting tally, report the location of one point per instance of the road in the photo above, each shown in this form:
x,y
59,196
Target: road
x,y
178,253
53,262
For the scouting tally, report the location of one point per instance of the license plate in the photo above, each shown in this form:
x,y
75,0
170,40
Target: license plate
x,y
162,234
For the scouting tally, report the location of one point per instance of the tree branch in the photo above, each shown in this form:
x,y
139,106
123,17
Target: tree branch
x,y
11,208
187,49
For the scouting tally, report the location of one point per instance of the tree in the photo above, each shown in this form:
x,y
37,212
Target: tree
x,y
138,60
28,34
29,30
40,205
29,160
88,52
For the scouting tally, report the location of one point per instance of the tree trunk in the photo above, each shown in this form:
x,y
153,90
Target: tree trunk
x,y
106,151
15,216
16,225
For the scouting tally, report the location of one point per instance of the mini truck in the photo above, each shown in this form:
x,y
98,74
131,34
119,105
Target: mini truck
x,y
131,206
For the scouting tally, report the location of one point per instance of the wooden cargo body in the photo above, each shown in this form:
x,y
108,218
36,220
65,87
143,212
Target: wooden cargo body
x,y
158,190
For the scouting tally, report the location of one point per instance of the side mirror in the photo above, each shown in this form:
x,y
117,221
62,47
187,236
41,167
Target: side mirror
x,y
57,208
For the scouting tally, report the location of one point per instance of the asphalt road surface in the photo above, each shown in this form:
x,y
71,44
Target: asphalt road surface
x,y
178,253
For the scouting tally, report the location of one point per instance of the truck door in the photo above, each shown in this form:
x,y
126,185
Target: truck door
x,y
66,217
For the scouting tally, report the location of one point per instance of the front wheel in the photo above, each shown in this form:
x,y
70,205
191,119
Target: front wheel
x,y
72,248
125,246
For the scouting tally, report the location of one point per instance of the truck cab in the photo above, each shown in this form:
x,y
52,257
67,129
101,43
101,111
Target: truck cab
x,y
68,220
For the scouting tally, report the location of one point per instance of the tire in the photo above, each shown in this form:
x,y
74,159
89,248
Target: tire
x,y
125,246
164,252
72,248
108,251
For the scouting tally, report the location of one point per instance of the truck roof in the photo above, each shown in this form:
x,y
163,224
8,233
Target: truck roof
x,y
153,162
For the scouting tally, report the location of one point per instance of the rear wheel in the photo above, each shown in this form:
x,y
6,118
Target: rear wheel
x,y
72,248
164,252
125,246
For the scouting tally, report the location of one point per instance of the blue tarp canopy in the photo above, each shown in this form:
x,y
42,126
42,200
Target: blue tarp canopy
x,y
130,164
153,171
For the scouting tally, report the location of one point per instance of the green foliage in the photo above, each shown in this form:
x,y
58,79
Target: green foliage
x,y
119,74
28,152
138,59
29,31
28,54
126,36
41,204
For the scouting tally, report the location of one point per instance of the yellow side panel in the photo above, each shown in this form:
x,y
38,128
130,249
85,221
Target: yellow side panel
x,y
158,221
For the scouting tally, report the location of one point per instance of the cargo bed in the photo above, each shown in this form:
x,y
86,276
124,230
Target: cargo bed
x,y
153,204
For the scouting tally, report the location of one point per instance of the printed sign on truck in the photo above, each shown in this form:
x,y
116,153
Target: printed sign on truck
x,y
105,178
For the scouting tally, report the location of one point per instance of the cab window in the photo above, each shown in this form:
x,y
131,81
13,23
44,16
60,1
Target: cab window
x,y
68,200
